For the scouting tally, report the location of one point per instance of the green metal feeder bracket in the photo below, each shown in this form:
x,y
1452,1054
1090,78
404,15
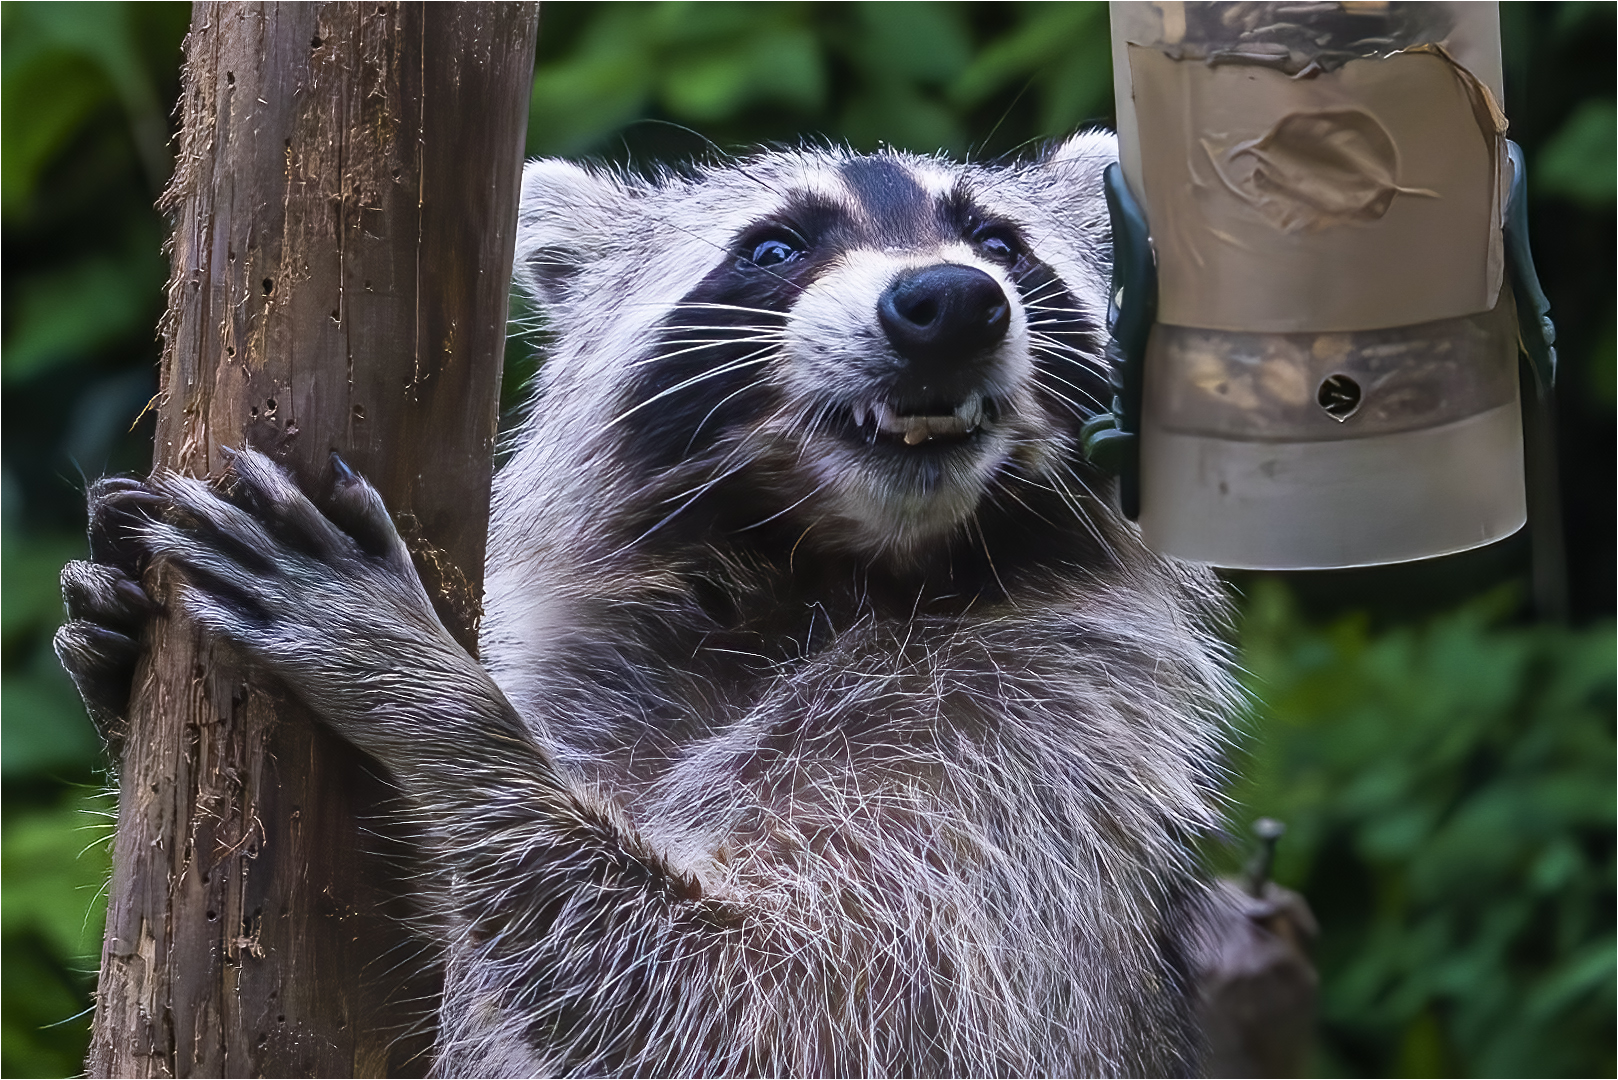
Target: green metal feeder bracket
x,y
1111,440
1536,334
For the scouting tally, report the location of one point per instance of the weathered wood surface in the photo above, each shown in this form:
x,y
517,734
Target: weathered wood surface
x,y
344,204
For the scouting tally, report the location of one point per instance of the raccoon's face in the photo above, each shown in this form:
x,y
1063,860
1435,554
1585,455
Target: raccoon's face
x,y
876,344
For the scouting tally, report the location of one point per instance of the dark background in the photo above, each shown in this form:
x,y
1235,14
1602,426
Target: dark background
x,y
1440,744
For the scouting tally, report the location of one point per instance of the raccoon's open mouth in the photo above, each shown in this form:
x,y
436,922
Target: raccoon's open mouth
x,y
878,422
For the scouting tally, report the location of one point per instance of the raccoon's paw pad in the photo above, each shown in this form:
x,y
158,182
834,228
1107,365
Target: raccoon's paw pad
x,y
101,663
100,643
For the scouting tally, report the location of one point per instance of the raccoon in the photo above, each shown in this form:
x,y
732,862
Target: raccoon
x,y
831,720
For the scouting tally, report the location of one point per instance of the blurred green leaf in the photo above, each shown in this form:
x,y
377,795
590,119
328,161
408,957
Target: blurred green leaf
x,y
1588,972
55,862
923,42
1080,85
1580,162
43,727
1049,32
1456,777
44,1025
900,115
705,87
699,62
61,60
1573,17
30,589
98,32
684,23
602,85
776,67
65,315
1602,366
44,100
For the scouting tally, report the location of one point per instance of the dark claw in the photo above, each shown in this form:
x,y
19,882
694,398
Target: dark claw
x,y
358,510
134,596
225,525
107,608
118,506
107,645
140,498
102,594
283,509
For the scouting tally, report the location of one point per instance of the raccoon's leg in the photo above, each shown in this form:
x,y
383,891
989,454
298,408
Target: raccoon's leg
x,y
106,606
574,943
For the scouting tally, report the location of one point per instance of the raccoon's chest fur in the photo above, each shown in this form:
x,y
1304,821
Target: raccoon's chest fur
x,y
799,575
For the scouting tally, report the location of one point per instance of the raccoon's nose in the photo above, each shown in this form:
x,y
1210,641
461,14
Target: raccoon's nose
x,y
944,313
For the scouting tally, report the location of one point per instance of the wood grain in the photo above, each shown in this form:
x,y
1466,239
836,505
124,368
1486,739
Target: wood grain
x,y
344,208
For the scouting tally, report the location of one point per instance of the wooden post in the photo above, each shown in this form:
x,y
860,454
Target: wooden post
x,y
344,202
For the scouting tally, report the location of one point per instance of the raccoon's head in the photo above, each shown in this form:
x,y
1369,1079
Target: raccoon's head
x,y
873,348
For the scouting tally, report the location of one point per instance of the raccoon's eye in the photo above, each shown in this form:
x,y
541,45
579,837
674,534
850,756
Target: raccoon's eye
x,y
775,250
997,243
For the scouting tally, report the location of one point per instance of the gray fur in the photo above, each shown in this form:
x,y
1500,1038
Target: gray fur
x,y
828,832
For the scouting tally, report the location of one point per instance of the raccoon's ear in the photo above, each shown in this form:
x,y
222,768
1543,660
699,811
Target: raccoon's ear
x,y
1065,201
565,220
1078,163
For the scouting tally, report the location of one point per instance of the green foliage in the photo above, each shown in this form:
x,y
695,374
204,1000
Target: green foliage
x,y
63,60
1449,787
1579,161
1601,370
44,727
903,59
1063,49
84,95
926,76
697,61
55,862
66,313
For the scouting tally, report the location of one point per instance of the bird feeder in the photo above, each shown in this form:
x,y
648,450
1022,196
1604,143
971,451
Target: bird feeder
x,y
1329,377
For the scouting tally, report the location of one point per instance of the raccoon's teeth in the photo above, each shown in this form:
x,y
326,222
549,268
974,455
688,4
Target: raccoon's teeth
x,y
859,415
918,428
970,412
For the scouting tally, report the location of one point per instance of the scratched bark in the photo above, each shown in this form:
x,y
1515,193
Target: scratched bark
x,y
344,204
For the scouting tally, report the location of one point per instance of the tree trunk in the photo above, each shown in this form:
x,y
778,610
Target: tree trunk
x,y
345,207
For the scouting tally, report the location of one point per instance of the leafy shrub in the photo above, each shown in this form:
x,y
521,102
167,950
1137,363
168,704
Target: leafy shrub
x,y
1449,791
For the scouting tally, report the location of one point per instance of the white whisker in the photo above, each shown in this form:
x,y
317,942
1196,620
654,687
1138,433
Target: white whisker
x,y
754,359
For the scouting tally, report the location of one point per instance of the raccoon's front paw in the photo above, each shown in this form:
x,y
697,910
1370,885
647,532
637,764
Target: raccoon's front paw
x,y
107,609
331,604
